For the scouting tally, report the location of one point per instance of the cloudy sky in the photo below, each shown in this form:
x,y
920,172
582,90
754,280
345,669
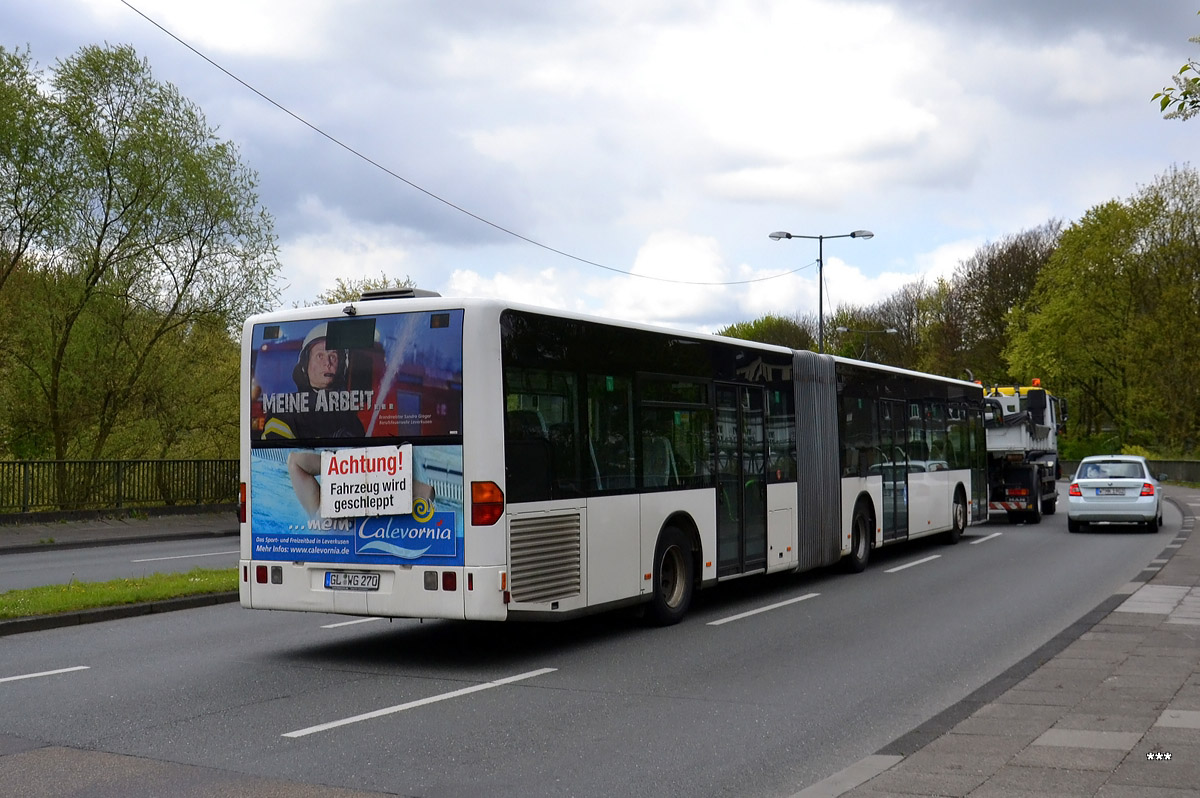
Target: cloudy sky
x,y
664,138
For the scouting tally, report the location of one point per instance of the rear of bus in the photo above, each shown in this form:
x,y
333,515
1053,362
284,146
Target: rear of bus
x,y
352,462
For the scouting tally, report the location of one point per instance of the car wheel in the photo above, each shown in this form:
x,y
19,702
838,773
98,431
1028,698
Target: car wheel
x,y
1073,525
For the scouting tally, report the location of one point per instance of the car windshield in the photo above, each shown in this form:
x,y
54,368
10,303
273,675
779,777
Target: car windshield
x,y
1112,470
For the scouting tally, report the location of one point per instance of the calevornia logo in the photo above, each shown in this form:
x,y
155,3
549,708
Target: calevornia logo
x,y
422,510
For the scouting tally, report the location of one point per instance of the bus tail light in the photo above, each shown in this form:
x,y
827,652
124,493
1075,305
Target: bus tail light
x,y
260,574
487,503
242,503
449,581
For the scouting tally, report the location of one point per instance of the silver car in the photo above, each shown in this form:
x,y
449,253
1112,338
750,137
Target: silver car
x,y
1114,488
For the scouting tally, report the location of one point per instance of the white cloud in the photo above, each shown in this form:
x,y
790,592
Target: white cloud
x,y
337,247
662,137
290,29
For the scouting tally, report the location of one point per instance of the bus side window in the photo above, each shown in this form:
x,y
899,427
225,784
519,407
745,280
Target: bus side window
x,y
610,431
527,456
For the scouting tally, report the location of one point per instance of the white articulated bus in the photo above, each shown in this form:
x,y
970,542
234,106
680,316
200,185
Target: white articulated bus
x,y
427,457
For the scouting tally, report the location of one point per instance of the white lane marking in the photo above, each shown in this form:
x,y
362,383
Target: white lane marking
x,y
45,673
350,623
984,540
768,608
911,564
333,724
185,556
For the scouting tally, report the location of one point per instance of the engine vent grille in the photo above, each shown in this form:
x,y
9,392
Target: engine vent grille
x,y
544,560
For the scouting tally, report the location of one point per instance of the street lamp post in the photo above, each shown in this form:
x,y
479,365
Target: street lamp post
x,y
821,274
866,334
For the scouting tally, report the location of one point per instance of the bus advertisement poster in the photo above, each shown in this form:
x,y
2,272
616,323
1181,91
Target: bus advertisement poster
x,y
283,529
398,375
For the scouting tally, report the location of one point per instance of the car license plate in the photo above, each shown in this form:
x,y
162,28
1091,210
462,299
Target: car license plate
x,y
1110,491
351,580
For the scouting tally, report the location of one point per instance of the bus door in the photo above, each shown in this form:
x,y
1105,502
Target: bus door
x,y
977,459
893,440
741,480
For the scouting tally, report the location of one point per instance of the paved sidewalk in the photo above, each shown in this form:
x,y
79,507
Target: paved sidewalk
x,y
112,531
1110,708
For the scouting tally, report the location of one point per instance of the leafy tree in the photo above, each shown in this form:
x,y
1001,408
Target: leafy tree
x,y
34,179
1182,101
158,234
1118,300
792,332
864,337
998,279
349,290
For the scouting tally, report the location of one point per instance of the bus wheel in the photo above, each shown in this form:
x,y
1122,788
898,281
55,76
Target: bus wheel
x,y
860,540
958,517
673,578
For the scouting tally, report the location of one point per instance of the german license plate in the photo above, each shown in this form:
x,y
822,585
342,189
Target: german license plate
x,y
1110,491
351,580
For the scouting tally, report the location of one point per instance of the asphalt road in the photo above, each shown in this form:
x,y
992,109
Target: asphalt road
x,y
825,669
102,563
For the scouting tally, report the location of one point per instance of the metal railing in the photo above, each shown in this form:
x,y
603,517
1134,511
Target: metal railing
x,y
54,485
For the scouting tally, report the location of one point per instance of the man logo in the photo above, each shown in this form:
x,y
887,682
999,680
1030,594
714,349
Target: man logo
x,y
422,510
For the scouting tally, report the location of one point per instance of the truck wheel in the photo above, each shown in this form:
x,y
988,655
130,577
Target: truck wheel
x,y
1034,516
1050,505
673,578
958,517
861,528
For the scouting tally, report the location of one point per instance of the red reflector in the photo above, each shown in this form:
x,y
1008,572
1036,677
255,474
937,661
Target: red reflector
x,y
470,581
1147,489
242,503
1074,489
260,574
507,597
1018,492
487,503
449,580
245,573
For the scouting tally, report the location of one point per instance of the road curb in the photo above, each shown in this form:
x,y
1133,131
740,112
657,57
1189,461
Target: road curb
x,y
39,623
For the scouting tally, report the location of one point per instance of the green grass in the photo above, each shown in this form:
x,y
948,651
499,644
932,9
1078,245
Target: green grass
x,y
54,599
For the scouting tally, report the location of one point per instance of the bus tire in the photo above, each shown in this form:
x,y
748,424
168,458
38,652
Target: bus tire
x,y
860,540
674,578
958,517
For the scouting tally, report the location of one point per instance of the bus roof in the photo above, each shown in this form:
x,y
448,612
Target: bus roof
x,y
421,300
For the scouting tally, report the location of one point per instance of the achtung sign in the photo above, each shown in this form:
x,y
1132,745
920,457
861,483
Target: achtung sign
x,y
372,481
